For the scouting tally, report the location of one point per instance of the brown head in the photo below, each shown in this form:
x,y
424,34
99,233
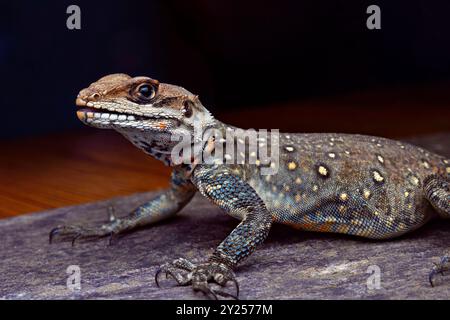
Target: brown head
x,y
118,101
145,111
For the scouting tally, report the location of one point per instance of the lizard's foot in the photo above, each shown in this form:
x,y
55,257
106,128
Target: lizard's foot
x,y
74,232
186,273
439,268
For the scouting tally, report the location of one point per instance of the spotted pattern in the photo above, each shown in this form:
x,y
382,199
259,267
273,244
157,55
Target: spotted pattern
x,y
377,177
323,171
289,148
380,159
292,165
341,184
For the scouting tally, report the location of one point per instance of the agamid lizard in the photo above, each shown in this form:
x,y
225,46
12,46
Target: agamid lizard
x,y
353,184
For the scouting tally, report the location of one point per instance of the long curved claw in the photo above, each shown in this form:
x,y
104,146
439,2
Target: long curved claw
x,y
111,238
53,233
236,284
158,272
70,232
75,239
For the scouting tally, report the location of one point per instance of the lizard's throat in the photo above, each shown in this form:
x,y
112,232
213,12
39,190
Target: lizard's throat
x,y
171,153
158,145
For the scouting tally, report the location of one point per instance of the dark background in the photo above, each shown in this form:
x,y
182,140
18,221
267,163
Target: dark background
x,y
234,54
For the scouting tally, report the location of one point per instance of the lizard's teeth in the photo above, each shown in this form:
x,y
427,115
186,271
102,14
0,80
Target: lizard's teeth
x,y
105,116
131,118
113,117
122,117
97,115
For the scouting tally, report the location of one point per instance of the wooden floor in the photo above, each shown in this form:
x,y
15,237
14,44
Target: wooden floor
x,y
57,170
72,168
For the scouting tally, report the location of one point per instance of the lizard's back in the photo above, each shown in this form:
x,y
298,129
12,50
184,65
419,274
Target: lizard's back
x,y
353,184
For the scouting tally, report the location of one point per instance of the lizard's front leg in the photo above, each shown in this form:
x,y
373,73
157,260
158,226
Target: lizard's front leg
x,y
238,198
163,206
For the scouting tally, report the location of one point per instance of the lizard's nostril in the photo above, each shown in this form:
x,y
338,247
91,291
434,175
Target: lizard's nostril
x,y
95,96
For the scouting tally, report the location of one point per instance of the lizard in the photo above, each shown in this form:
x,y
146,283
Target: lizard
x,y
360,185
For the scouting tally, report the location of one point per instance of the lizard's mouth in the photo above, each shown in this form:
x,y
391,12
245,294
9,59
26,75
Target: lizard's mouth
x,y
106,119
90,114
101,117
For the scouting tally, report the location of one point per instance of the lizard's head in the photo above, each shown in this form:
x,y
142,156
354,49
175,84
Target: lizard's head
x,y
144,110
119,101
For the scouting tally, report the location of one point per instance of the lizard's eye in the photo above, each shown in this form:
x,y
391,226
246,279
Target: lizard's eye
x,y
146,91
187,109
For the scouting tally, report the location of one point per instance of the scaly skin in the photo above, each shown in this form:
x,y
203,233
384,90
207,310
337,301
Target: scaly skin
x,y
366,186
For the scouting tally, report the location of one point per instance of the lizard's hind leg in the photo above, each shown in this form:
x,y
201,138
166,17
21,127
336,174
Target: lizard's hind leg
x,y
437,191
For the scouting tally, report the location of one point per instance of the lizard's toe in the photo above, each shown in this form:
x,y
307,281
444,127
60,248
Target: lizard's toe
x,y
178,270
439,268
73,232
214,272
186,273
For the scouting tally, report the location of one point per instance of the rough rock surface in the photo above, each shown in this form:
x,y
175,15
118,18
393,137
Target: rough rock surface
x,y
290,265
